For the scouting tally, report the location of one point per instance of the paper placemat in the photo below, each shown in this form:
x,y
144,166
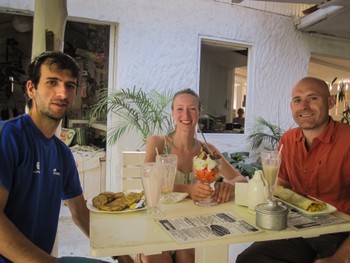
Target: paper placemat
x,y
206,227
300,221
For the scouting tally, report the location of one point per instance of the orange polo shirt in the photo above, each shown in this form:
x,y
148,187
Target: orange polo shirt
x,y
323,172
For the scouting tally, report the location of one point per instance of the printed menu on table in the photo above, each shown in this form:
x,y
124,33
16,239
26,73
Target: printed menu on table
x,y
206,227
299,221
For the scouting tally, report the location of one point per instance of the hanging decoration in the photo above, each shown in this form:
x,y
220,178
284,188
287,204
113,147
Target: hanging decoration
x,y
341,97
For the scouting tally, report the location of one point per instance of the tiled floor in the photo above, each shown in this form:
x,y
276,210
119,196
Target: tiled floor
x,y
72,242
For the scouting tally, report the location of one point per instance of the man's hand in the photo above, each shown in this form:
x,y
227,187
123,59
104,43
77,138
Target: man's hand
x,y
342,255
329,260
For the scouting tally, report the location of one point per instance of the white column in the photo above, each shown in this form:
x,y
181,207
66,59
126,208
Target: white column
x,y
49,15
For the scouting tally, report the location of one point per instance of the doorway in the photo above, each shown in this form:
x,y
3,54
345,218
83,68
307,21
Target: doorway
x,y
86,42
223,76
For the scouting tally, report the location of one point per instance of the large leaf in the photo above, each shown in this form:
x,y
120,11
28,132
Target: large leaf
x,y
145,113
264,131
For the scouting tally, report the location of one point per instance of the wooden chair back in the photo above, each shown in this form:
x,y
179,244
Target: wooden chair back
x,y
131,178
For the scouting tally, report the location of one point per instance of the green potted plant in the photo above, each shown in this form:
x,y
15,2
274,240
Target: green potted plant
x,y
238,161
146,113
264,131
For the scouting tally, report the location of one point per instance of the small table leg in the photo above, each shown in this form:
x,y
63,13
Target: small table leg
x,y
211,254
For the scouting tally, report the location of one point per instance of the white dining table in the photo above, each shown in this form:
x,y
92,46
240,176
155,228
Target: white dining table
x,y
131,233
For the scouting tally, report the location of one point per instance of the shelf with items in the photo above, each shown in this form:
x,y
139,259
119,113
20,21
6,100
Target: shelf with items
x,y
91,164
99,125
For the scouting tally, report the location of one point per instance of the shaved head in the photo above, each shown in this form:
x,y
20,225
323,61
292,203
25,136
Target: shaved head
x,y
311,101
318,84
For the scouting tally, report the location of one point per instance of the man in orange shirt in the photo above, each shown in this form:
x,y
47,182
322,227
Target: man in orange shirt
x,y
315,162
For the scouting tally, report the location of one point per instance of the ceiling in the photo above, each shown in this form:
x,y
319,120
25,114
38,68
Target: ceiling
x,y
328,68
326,17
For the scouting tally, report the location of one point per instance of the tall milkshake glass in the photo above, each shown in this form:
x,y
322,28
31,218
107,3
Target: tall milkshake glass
x,y
152,180
169,177
271,162
271,215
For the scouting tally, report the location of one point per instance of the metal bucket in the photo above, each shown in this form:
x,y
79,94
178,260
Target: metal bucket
x,y
271,216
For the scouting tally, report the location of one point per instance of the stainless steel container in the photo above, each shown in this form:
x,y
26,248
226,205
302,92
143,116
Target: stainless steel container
x,y
271,216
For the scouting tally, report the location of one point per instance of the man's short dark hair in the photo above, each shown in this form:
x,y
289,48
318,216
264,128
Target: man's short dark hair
x,y
61,60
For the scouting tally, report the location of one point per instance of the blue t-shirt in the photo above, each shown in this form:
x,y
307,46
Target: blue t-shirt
x,y
37,172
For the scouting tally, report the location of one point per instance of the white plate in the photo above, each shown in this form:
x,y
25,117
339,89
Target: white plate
x,y
329,208
174,198
126,210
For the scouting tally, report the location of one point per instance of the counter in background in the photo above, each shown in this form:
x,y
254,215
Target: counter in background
x,y
91,164
100,125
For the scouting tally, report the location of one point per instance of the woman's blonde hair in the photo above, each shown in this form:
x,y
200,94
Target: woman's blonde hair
x,y
186,91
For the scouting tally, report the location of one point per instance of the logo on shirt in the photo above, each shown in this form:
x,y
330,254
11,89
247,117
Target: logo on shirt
x,y
37,168
56,172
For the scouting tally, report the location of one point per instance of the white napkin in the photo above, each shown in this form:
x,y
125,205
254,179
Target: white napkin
x,y
174,198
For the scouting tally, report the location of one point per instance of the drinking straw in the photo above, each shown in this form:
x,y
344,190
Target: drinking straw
x,y
207,145
157,151
280,151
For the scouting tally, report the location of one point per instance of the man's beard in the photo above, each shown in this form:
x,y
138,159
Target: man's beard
x,y
55,117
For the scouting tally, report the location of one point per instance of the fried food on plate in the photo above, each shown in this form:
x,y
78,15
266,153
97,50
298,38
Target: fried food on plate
x,y
118,203
105,198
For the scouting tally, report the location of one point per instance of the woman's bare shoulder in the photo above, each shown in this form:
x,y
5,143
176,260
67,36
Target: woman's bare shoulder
x,y
154,145
155,139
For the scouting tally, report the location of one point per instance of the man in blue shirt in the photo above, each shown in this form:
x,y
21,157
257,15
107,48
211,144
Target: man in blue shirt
x,y
37,170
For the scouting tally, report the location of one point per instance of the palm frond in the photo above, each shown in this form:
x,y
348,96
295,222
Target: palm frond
x,y
115,133
263,131
145,113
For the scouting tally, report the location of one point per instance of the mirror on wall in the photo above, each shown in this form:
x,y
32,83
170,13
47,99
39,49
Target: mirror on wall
x,y
223,86
87,43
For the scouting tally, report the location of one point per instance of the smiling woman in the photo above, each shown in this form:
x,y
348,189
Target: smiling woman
x,y
185,112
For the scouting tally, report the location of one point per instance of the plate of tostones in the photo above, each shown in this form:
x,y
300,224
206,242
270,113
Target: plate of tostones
x,y
117,202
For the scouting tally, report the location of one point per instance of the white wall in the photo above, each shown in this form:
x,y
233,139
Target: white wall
x,y
214,86
158,47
